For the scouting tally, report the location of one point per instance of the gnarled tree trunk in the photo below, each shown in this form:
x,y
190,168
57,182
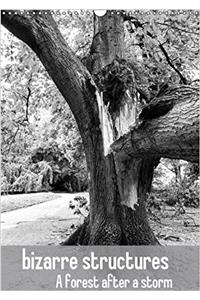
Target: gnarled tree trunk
x,y
120,161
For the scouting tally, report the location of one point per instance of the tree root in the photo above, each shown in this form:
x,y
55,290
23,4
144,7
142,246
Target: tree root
x,y
134,230
80,236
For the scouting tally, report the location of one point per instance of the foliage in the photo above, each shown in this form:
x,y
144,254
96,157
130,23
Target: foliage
x,y
186,193
68,170
163,47
182,189
41,145
35,117
34,178
77,29
80,206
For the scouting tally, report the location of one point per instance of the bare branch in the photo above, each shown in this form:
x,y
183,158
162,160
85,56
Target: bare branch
x,y
27,99
183,79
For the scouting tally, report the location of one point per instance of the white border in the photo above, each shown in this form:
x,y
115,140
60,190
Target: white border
x,y
101,4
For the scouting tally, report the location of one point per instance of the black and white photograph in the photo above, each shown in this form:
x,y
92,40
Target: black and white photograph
x,y
100,128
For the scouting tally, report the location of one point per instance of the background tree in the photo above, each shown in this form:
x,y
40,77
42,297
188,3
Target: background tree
x,y
106,102
175,183
34,117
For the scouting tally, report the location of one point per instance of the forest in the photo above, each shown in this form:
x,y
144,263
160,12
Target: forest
x,y
106,105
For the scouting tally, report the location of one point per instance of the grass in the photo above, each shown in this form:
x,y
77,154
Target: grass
x,y
13,202
169,228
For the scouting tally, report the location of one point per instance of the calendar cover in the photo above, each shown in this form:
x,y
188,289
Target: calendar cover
x,y
99,149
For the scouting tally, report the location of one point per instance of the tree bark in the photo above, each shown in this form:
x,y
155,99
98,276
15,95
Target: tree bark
x,y
108,41
121,171
174,135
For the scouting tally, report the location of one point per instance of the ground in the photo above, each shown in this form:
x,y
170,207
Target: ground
x,y
12,202
46,223
176,229
46,219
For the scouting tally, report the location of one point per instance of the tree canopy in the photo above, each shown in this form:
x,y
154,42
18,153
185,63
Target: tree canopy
x,y
163,50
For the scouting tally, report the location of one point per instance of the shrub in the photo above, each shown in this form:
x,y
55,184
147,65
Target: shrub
x,y
187,195
80,206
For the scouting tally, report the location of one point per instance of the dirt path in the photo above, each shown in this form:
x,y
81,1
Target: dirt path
x,y
42,224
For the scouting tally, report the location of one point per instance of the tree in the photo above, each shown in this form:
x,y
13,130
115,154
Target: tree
x,y
37,122
123,138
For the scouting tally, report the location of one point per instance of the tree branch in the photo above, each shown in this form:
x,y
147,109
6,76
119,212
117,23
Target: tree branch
x,y
41,34
27,103
183,79
174,135
27,98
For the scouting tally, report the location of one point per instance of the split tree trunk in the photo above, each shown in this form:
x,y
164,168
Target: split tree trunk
x,y
119,180
121,218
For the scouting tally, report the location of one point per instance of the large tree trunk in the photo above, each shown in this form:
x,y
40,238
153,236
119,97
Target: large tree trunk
x,y
119,177
121,218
